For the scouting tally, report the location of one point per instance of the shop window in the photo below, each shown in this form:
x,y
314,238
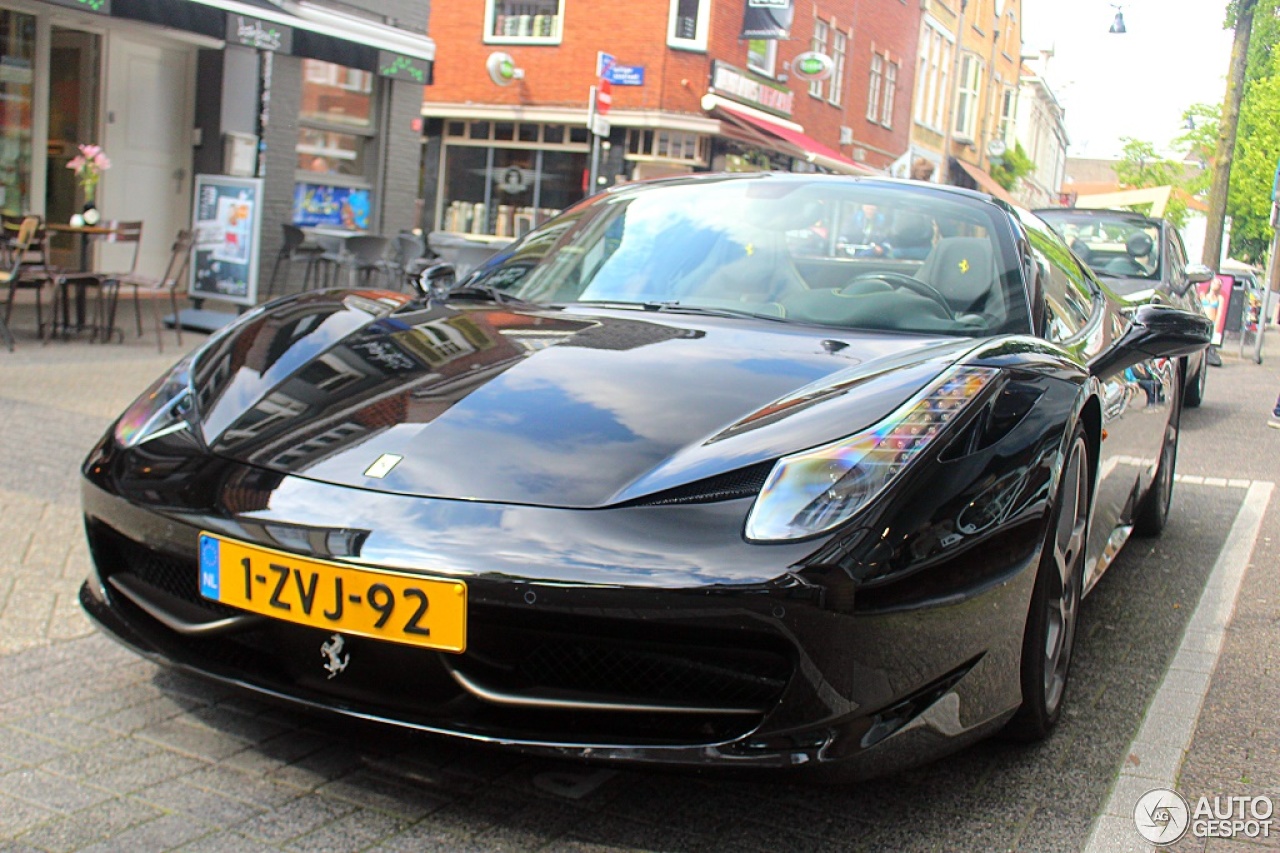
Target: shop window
x,y
336,129
672,146
762,55
17,58
523,21
505,190
687,24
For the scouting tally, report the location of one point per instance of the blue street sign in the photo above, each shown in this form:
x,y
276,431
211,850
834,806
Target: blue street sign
x,y
626,75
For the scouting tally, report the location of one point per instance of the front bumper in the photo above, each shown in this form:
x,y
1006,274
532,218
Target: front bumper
x,y
643,634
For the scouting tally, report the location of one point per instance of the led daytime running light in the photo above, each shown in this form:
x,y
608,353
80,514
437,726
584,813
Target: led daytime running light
x,y
810,492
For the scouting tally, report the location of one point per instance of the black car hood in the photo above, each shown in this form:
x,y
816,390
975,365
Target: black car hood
x,y
542,407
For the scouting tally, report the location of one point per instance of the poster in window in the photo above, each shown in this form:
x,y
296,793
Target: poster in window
x,y
227,223
336,207
767,19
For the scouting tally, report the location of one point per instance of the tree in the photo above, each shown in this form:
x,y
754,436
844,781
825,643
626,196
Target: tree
x,y
1016,164
1141,166
1239,12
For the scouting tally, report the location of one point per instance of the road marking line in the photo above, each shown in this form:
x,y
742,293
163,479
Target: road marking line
x,y
1156,754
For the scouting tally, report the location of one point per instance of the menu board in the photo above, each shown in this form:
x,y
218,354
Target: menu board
x,y
227,221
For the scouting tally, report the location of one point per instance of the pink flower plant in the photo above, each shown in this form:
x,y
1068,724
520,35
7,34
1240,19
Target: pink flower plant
x,y
89,165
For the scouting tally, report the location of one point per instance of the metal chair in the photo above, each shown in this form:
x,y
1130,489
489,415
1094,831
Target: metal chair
x,y
172,278
360,256
295,249
26,267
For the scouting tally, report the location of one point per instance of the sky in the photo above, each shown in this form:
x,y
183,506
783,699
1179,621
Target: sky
x,y
1175,53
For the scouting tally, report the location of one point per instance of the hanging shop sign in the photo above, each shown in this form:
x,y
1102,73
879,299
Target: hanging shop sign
x,y
749,89
397,66
228,221
767,19
259,34
812,65
502,68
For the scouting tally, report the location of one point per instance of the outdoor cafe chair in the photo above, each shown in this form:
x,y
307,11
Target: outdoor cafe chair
x,y
25,267
295,249
170,281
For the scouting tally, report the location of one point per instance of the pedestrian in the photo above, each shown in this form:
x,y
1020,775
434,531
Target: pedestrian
x,y
1274,423
1211,302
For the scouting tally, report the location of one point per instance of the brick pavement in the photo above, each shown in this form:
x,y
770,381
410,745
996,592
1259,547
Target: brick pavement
x,y
101,750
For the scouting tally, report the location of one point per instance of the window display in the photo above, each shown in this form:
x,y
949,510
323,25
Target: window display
x,y
17,57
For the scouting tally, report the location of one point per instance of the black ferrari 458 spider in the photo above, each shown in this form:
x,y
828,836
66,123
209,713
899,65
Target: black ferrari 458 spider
x,y
759,470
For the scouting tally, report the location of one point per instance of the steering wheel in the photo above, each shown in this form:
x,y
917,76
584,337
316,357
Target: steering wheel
x,y
899,281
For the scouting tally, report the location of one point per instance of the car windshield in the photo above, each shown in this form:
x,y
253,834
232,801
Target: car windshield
x,y
1114,246
814,250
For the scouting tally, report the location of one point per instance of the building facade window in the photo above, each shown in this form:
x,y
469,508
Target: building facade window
x,y
17,58
503,178
336,130
967,89
523,21
667,146
932,78
687,24
1008,114
839,46
873,87
762,56
890,93
821,35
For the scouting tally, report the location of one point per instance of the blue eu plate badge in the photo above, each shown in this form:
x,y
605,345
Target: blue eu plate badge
x,y
208,566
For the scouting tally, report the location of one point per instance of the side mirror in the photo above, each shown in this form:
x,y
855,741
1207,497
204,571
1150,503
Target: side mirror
x,y
1158,331
435,281
1198,274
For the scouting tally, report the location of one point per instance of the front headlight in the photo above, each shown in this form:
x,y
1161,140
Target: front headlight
x,y
811,492
162,408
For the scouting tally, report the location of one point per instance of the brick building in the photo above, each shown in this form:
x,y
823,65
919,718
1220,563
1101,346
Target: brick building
x,y
693,89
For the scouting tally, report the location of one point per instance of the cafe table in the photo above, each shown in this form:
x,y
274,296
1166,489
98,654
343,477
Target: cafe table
x,y
84,234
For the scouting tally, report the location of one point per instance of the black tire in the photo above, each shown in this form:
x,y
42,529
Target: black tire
x,y
1196,386
1153,509
1049,638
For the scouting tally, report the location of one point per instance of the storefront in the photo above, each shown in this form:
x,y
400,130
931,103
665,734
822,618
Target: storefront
x,y
318,103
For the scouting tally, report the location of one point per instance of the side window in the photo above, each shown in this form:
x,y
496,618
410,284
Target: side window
x,y
1068,295
1177,261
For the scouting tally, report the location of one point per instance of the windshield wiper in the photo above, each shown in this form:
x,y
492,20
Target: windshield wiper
x,y
710,311
485,292
675,307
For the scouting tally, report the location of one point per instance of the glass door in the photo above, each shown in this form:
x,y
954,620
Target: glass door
x,y
74,60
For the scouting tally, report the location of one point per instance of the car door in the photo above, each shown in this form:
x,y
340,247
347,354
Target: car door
x,y
1084,318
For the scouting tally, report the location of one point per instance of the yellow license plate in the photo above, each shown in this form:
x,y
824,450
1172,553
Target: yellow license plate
x,y
367,602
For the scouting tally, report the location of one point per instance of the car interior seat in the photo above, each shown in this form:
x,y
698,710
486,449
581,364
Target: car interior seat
x,y
913,237
1138,245
963,270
